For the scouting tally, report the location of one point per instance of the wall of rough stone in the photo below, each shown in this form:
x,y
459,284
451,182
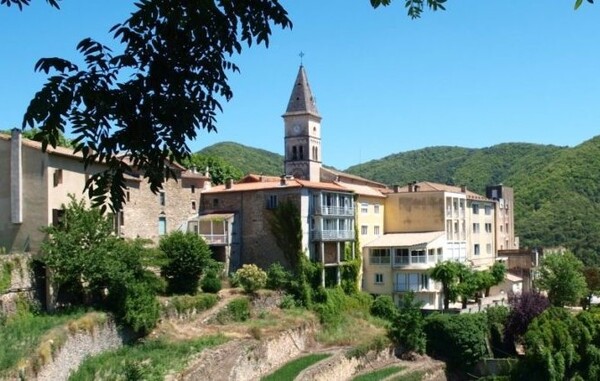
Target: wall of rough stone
x,y
249,359
79,346
340,367
21,285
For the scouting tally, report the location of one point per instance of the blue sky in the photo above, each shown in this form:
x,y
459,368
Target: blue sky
x,y
478,74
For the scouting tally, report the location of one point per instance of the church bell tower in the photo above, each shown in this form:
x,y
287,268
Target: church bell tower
x,y
302,132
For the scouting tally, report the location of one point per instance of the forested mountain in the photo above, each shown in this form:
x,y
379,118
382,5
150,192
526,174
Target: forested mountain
x,y
247,159
557,189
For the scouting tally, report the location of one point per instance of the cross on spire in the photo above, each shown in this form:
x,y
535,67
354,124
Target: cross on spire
x,y
301,56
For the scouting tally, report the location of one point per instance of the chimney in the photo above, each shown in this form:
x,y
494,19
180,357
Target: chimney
x,y
463,188
228,183
16,176
396,188
283,181
410,187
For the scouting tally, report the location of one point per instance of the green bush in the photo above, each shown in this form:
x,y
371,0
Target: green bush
x,y
237,310
187,256
278,278
460,339
407,331
287,302
188,303
251,278
141,309
211,282
497,317
384,307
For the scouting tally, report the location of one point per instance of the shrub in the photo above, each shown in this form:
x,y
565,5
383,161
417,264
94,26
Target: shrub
x,y
141,309
287,302
384,307
332,306
407,330
188,303
237,310
187,255
497,317
460,339
251,278
211,282
278,278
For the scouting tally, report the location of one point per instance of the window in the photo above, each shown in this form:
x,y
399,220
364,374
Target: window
x,y
215,202
380,256
272,201
294,153
364,230
506,228
162,225
418,256
401,257
488,227
364,207
501,229
488,210
161,198
57,216
476,250
301,150
378,278
128,196
376,208
193,205
412,282
193,227
193,188
58,177
488,248
475,208
475,228
376,230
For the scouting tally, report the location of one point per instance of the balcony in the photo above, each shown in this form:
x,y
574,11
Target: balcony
x,y
404,260
332,235
215,239
325,210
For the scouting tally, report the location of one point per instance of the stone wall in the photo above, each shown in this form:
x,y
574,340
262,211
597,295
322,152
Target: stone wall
x,y
21,283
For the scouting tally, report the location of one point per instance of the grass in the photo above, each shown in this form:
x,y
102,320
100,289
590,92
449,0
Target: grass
x,y
378,374
150,360
23,334
414,376
289,371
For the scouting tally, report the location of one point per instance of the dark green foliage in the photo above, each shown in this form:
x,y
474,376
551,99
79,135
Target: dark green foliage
x,y
304,286
286,227
384,307
497,317
350,271
561,275
140,308
278,278
211,282
287,302
187,256
592,281
407,331
218,168
246,159
333,305
237,310
561,346
460,339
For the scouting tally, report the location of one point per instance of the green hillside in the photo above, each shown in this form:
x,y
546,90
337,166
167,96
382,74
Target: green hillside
x,y
247,159
557,189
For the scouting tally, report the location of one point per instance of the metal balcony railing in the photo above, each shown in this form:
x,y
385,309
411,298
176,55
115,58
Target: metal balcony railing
x,y
215,239
332,235
325,210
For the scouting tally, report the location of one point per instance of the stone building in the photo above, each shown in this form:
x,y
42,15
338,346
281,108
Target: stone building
x,y
37,184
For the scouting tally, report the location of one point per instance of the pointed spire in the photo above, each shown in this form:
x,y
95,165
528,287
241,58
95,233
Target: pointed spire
x,y
302,100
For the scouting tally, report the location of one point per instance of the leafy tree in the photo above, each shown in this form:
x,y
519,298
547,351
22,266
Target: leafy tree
x,y
286,227
408,328
561,346
447,273
460,339
592,281
177,57
219,170
561,276
187,257
90,266
523,309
